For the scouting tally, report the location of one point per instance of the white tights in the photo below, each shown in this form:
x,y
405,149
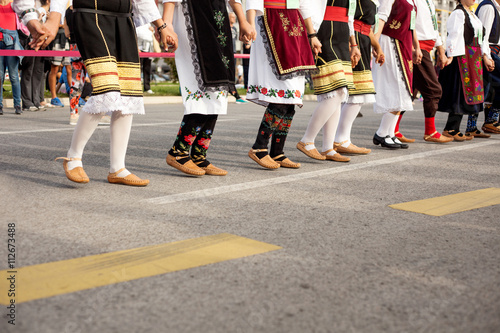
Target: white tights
x,y
325,116
388,125
119,135
347,116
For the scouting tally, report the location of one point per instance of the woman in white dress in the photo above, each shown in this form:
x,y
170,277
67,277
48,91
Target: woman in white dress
x,y
393,81
279,59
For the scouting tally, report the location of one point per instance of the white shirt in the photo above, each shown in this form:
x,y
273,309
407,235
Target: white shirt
x,y
424,25
20,6
487,15
305,7
455,42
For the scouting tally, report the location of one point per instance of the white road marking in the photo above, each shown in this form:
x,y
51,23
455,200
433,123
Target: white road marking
x,y
210,192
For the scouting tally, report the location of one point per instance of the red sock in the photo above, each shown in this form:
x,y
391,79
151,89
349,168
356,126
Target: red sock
x,y
396,130
430,127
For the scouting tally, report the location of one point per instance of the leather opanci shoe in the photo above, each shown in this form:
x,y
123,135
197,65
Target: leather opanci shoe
x,y
188,168
335,157
131,179
312,153
286,162
212,170
77,174
402,138
351,149
432,138
266,161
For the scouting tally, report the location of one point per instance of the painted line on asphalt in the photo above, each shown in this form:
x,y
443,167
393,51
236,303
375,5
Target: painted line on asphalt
x,y
210,192
452,203
67,276
98,127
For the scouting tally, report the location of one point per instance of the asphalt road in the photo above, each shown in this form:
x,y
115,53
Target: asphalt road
x,y
348,263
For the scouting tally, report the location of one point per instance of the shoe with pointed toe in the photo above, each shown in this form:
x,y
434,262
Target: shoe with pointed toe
x,y
402,138
131,179
335,157
77,174
441,139
312,153
286,162
212,170
188,168
266,161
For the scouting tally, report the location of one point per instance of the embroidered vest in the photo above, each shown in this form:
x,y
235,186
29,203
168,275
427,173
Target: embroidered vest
x,y
495,31
468,28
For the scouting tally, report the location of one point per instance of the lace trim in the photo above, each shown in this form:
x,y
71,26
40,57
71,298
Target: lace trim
x,y
194,55
113,101
270,57
342,92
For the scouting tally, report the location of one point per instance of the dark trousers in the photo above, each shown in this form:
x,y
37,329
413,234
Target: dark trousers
x,y
425,80
146,73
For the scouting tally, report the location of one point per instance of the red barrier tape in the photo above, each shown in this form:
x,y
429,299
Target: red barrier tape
x,y
75,54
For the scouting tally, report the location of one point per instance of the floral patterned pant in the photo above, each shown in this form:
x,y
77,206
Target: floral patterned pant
x,y
195,134
276,124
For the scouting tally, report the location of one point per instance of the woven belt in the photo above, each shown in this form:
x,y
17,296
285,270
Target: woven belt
x,y
338,14
101,12
362,27
495,49
275,4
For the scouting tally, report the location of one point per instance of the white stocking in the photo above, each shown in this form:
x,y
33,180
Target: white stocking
x,y
392,131
329,131
87,123
326,108
120,132
347,116
386,124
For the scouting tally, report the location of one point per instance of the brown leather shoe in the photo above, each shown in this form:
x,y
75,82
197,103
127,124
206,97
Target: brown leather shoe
x,y
490,128
131,180
402,138
313,153
213,170
286,162
266,161
351,149
468,136
77,174
478,134
457,136
189,167
441,139
337,157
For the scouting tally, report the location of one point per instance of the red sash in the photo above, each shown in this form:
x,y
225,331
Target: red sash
x,y
398,27
471,73
362,27
287,36
337,14
276,4
427,45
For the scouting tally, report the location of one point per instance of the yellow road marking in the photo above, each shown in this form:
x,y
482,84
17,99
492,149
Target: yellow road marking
x,y
454,203
66,276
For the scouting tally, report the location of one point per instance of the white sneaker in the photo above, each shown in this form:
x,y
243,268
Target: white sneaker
x,y
73,118
105,120
150,91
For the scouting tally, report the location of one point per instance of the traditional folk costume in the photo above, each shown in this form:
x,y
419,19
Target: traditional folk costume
x,y
333,78
424,75
279,59
488,12
364,89
205,65
394,80
462,80
105,35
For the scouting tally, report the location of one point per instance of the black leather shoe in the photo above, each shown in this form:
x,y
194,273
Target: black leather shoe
x,y
1,111
401,145
385,142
